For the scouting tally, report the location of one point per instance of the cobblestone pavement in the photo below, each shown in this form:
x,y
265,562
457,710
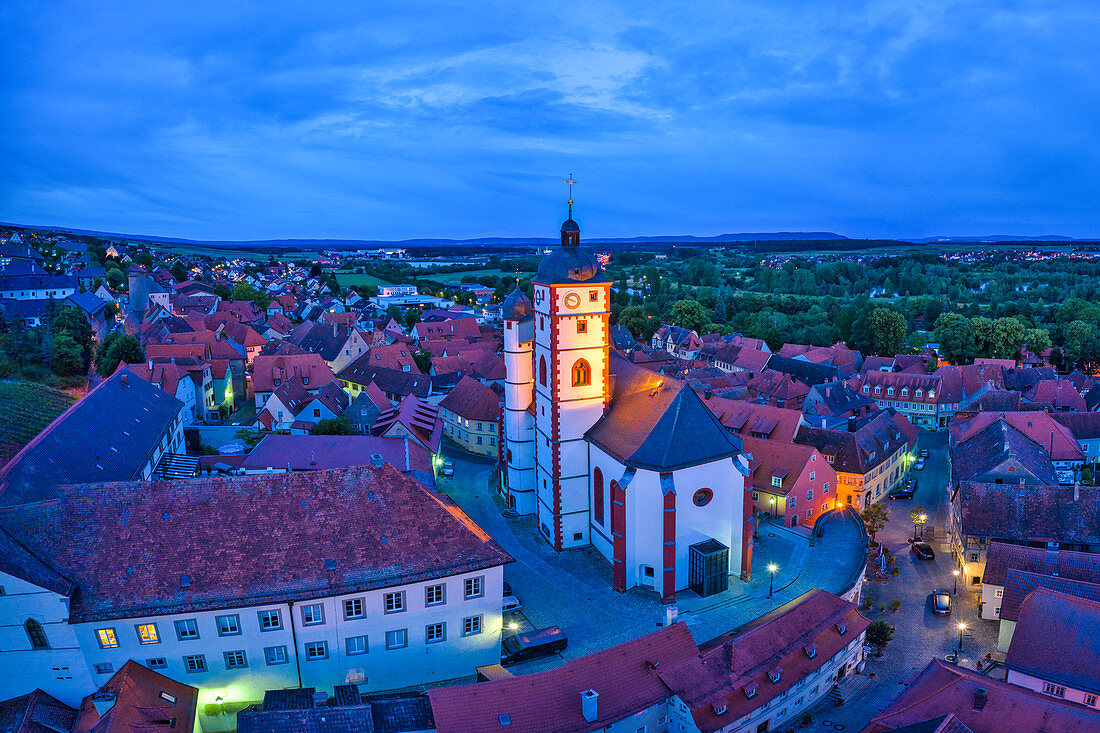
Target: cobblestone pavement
x,y
573,589
919,634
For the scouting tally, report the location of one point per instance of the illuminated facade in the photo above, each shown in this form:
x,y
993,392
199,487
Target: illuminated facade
x,y
605,453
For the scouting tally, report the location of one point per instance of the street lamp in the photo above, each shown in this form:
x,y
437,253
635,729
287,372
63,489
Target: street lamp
x,y
773,569
962,628
923,519
955,587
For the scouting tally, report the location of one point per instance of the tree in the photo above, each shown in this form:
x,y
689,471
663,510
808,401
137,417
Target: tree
x,y
879,634
67,355
336,426
918,516
117,348
886,329
690,314
244,291
875,518
423,359
178,270
249,437
1037,340
955,333
116,279
73,322
635,320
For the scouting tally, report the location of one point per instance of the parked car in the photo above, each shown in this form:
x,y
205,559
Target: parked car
x,y
920,464
924,453
510,603
448,469
900,494
941,603
532,645
507,588
923,551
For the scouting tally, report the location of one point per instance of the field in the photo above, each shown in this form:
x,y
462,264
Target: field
x,y
456,277
351,279
26,408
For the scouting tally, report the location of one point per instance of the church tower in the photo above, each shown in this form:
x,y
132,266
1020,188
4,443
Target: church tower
x,y
572,305
519,421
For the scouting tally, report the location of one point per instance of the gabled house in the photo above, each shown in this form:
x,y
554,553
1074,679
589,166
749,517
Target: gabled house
x,y
269,372
791,483
414,419
472,417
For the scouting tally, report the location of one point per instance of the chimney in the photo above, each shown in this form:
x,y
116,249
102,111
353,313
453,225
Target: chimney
x,y
125,379
103,702
980,696
851,425
589,706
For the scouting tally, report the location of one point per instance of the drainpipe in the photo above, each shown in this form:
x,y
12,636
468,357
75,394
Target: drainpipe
x,y
294,639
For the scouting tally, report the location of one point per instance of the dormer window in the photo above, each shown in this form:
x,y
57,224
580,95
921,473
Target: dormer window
x,y
719,708
866,388
305,380
277,381
775,675
750,690
931,394
777,482
842,628
890,391
919,393
811,650
878,390
904,391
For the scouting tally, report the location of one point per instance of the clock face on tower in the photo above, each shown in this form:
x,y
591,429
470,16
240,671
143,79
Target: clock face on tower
x,y
572,300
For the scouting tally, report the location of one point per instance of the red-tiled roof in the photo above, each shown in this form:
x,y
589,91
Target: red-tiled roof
x,y
140,703
786,460
1060,393
1064,563
127,545
35,712
1032,513
266,369
420,419
778,639
322,452
943,689
1056,640
747,418
1041,427
459,327
625,677
1019,585
472,400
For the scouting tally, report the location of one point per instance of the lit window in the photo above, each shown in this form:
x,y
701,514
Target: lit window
x,y
582,373
474,587
777,482
106,638
471,625
434,633
395,602
147,634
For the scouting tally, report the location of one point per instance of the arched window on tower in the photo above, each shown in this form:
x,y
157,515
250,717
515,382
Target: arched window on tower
x,y
36,634
582,373
542,370
597,495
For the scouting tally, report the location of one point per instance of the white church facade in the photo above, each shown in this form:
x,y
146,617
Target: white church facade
x,y
608,454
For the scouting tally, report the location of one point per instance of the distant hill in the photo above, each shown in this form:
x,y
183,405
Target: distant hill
x,y
996,238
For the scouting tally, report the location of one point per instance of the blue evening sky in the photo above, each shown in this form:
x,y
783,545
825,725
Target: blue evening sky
x,y
407,119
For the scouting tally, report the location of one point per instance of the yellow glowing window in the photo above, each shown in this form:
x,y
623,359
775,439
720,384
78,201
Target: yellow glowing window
x,y
107,638
147,634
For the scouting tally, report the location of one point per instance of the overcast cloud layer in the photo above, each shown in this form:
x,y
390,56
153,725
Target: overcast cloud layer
x,y
408,119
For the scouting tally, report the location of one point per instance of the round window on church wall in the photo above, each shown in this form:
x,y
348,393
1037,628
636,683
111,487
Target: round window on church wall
x,y
702,497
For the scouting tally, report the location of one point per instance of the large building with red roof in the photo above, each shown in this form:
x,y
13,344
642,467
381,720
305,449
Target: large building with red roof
x,y
239,585
609,454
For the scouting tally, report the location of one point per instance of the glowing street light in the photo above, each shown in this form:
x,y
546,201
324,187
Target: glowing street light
x,y
955,587
513,626
923,519
773,569
962,628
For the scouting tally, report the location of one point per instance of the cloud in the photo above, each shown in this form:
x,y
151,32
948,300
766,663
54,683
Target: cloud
x,y
872,118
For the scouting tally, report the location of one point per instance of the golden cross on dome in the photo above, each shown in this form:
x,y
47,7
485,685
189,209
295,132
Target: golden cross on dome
x,y
570,182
